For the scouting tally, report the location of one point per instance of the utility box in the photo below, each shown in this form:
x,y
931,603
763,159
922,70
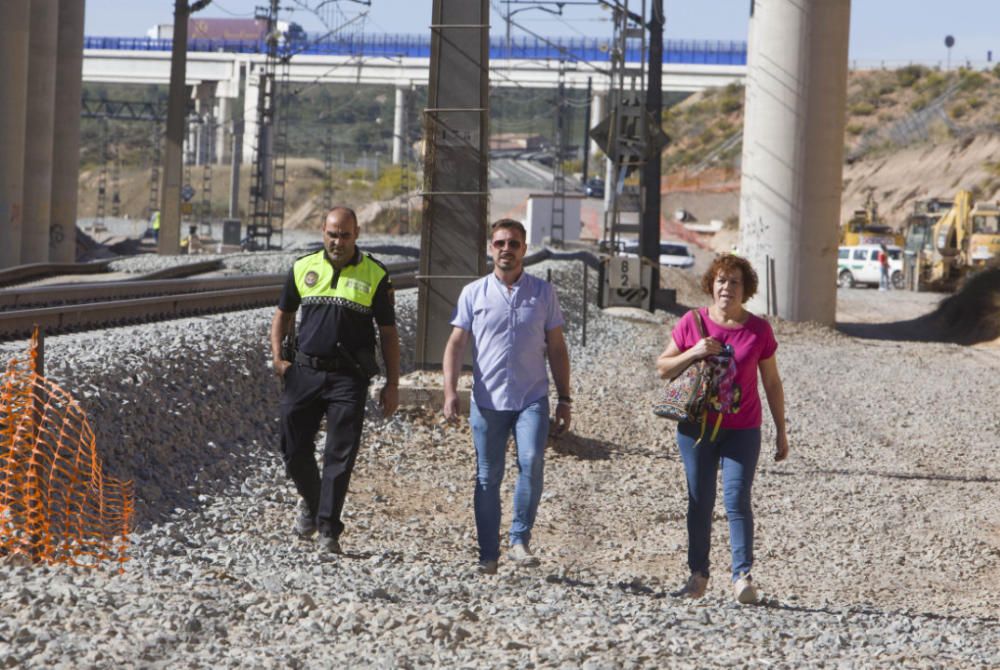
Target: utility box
x,y
540,215
231,232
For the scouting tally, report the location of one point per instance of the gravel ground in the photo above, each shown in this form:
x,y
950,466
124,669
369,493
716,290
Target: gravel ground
x,y
878,540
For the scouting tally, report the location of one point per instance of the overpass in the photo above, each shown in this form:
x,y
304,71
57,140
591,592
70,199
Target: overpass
x,y
219,68
377,59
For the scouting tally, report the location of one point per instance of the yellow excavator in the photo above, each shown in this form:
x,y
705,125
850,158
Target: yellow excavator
x,y
943,245
984,242
866,227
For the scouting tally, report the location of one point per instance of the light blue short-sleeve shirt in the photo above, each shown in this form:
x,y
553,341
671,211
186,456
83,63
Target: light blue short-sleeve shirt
x,y
508,330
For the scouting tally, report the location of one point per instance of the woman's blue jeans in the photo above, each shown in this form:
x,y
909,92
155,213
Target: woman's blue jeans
x,y
737,451
490,431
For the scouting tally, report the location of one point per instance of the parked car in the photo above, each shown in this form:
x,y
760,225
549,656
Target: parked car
x,y
594,188
859,265
672,254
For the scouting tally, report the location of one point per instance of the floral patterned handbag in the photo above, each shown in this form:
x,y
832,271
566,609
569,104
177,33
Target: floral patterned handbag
x,y
686,395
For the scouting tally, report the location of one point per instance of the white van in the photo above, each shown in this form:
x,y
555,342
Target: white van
x,y
859,265
672,254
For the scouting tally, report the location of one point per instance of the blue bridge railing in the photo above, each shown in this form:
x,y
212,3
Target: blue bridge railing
x,y
700,52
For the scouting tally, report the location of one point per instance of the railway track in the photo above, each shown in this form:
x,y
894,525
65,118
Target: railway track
x,y
63,308
80,307
68,294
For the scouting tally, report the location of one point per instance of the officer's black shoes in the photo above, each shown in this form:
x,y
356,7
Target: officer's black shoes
x,y
305,525
330,544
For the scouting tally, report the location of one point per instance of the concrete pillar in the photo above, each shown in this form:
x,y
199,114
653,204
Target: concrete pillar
x,y
223,119
250,101
204,101
14,27
793,145
66,138
38,134
598,108
399,125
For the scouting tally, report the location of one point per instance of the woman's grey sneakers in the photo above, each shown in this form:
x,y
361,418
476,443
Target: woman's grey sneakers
x,y
744,591
521,556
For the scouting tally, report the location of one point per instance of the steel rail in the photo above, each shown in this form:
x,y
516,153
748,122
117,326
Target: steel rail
x,y
32,271
19,323
65,294
184,270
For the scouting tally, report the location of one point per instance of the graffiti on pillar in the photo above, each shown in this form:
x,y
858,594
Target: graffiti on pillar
x,y
754,226
753,236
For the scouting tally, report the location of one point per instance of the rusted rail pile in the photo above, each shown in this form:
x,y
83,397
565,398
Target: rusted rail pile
x,y
77,307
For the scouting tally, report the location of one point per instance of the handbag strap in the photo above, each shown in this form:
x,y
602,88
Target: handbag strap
x,y
697,320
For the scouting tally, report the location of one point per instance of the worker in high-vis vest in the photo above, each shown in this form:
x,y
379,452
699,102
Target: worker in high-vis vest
x,y
154,223
347,305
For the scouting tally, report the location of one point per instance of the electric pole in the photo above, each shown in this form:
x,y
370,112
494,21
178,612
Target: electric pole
x,y
170,207
649,231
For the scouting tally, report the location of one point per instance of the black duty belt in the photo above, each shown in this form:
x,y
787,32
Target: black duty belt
x,y
319,363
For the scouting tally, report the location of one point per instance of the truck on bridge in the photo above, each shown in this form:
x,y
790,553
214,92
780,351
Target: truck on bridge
x,y
229,30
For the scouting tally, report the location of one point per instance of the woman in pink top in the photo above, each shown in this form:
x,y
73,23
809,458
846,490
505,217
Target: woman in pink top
x,y
738,344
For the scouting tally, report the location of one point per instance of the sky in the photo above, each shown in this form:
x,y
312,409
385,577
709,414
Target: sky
x,y
887,33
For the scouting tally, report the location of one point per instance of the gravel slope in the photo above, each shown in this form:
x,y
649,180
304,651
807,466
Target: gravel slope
x,y
878,541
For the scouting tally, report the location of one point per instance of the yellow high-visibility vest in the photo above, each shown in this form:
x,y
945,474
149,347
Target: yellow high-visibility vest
x,y
355,287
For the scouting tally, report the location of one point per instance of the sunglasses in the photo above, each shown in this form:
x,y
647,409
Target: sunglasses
x,y
513,245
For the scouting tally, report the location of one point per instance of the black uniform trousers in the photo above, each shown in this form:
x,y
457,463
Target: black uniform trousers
x,y
308,395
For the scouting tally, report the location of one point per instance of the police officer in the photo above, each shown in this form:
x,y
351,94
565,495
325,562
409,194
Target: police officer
x,y
344,294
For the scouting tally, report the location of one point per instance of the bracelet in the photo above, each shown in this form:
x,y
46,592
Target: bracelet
x,y
565,400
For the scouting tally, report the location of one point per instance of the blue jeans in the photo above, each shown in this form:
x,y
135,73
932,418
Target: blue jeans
x,y
738,451
490,432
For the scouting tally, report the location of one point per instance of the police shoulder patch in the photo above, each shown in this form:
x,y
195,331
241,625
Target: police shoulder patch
x,y
311,278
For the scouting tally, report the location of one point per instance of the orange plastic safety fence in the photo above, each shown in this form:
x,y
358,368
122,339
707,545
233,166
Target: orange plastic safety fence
x,y
56,505
714,180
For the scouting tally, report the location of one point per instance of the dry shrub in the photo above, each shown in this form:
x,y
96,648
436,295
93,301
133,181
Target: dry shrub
x,y
972,314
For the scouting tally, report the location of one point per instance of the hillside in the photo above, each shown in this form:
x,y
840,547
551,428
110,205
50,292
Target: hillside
x,y
910,133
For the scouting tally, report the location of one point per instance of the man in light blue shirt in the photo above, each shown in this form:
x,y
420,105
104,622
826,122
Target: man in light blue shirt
x,y
514,322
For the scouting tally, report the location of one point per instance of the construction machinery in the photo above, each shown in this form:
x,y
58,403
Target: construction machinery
x,y
984,241
945,242
866,227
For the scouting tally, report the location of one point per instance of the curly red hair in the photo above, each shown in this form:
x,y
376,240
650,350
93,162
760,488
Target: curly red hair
x,y
728,263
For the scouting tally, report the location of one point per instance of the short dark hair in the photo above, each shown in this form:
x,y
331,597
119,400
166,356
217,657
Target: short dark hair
x,y
728,263
341,208
509,224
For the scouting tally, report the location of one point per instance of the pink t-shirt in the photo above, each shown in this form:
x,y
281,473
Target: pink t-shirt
x,y
738,400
